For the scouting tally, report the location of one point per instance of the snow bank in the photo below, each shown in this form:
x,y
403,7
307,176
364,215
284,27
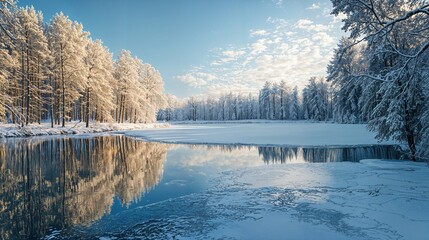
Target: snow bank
x,y
12,130
263,134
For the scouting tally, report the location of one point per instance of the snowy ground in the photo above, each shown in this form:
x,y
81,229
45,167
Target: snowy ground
x,y
12,130
369,200
262,134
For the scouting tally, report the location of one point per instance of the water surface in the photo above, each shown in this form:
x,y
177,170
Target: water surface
x,y
74,183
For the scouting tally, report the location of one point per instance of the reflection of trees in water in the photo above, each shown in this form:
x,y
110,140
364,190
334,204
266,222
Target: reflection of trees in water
x,y
224,148
67,181
328,154
311,154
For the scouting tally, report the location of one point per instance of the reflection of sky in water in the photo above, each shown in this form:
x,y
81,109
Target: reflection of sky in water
x,y
189,170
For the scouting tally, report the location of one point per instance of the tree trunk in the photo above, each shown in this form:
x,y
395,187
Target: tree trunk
x,y
87,107
281,105
274,106
39,93
123,110
51,103
22,87
411,146
63,92
27,94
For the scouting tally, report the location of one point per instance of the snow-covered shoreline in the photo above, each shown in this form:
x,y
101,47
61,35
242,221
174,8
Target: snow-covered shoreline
x,y
44,129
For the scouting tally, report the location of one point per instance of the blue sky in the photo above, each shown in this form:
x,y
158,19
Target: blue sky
x,y
210,47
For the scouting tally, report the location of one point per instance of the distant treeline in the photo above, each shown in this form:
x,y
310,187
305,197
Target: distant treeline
x,y
274,102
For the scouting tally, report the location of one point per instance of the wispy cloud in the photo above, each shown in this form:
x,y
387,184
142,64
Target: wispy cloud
x,y
259,32
314,6
278,2
196,78
291,51
307,24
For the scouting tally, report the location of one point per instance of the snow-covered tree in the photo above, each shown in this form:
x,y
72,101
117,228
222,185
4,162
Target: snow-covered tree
x,y
316,100
139,90
294,108
285,100
67,42
347,88
6,17
33,47
265,102
154,98
396,35
53,71
99,99
129,92
8,72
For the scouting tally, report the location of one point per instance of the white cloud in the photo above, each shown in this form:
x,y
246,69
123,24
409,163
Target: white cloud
x,y
233,54
302,23
323,38
197,79
259,32
306,24
314,6
259,46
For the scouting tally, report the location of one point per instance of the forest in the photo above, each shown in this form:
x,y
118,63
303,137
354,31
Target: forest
x,y
53,71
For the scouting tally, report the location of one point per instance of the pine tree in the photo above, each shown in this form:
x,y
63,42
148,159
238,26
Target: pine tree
x,y
347,88
396,74
294,112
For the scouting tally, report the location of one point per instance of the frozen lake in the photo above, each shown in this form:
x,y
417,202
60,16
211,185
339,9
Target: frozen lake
x,y
119,186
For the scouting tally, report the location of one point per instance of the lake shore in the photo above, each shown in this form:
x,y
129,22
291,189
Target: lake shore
x,y
44,129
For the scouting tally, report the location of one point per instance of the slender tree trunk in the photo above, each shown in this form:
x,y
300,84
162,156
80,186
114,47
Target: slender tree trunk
x,y
22,87
39,93
16,94
412,146
97,115
87,107
63,92
274,106
123,109
51,102
117,109
27,94
281,105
